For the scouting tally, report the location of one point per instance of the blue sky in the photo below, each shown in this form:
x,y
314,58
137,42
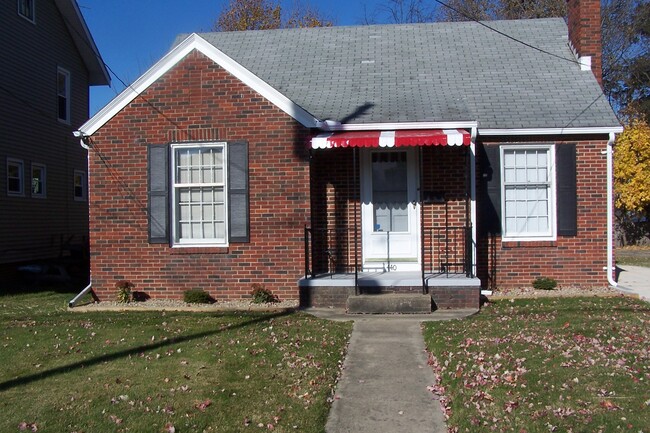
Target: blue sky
x,y
133,34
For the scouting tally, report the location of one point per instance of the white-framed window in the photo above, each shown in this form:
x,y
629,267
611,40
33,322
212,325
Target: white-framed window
x,y
39,181
15,177
199,208
80,186
528,192
63,95
26,9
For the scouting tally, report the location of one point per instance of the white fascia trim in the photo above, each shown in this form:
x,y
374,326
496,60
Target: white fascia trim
x,y
553,131
396,126
196,42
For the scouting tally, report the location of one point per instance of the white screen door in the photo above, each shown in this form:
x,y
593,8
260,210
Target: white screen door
x,y
390,210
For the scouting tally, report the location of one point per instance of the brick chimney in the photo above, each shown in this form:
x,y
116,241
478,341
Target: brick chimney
x,y
584,34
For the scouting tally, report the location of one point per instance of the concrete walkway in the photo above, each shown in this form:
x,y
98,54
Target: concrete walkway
x,y
634,280
383,387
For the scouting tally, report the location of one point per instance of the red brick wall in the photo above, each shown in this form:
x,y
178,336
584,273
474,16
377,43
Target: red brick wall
x,y
200,95
585,32
444,171
571,260
335,199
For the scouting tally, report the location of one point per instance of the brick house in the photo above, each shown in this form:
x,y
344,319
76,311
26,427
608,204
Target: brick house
x,y
334,162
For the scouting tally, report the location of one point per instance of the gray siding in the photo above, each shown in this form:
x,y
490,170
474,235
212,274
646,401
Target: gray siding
x,y
32,228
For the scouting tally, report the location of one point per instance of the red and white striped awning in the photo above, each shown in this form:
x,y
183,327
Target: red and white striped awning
x,y
411,137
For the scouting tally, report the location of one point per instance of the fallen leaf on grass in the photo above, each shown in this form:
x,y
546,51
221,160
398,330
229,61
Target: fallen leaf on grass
x,y
203,405
607,404
27,425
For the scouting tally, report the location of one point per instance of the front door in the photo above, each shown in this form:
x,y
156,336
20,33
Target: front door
x,y
390,210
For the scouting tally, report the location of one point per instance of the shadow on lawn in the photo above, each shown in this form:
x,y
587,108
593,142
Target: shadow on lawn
x,y
124,353
60,276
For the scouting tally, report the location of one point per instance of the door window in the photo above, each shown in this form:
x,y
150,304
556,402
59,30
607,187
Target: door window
x,y
390,192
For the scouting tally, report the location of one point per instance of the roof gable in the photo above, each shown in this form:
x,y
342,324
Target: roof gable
x,y
84,42
179,52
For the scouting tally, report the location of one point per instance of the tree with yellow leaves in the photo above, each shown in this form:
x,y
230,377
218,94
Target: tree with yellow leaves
x,y
632,180
242,15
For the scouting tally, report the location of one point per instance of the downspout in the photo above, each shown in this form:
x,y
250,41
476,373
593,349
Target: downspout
x,y
610,209
472,173
82,141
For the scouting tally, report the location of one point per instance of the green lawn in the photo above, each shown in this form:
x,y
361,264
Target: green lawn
x,y
163,372
634,256
546,365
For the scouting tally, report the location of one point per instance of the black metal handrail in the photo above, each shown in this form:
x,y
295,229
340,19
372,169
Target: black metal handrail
x,y
448,250
445,250
329,251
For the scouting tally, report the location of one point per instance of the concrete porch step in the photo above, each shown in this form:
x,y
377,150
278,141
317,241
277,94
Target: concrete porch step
x,y
387,303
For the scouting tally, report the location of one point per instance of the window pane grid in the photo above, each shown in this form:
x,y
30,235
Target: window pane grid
x,y
390,191
199,166
15,177
200,204
527,186
38,180
201,212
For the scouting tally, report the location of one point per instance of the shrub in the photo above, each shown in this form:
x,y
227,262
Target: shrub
x,y
197,296
262,296
124,291
138,296
544,283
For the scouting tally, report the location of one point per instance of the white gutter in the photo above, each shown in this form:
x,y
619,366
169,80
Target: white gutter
x,y
610,210
472,192
553,131
83,144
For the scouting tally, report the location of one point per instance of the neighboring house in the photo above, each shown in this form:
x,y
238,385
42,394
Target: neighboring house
x,y
326,162
47,61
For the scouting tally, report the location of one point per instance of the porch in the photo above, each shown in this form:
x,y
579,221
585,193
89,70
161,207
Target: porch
x,y
391,219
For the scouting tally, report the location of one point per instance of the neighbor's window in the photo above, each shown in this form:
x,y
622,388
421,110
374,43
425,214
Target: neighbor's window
x,y
63,95
528,199
38,181
26,9
15,170
199,194
80,186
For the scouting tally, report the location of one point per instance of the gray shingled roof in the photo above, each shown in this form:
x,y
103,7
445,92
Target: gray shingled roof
x,y
427,72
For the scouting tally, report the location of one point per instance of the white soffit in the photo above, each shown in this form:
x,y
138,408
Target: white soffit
x,y
178,53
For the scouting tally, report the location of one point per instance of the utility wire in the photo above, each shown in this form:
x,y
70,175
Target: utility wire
x,y
512,38
130,194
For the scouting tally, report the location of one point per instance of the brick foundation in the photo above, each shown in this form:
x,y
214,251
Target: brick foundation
x,y
444,298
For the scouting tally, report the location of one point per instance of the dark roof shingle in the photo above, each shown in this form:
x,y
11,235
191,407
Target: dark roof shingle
x,y
435,72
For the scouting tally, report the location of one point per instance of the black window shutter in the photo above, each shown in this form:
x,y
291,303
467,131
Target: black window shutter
x,y
238,215
567,206
158,191
490,219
